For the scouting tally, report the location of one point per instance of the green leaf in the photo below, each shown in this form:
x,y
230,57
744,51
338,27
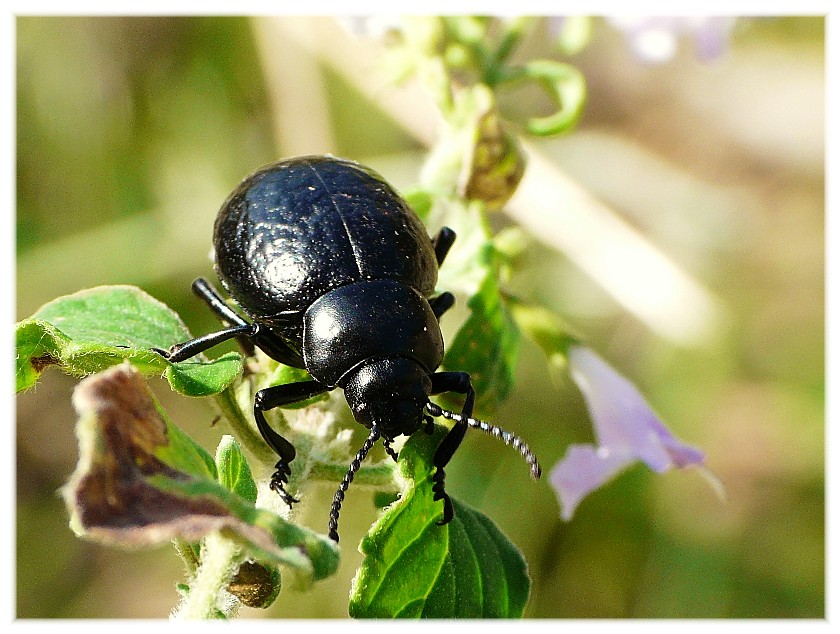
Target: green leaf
x,y
200,377
114,316
415,568
234,472
486,346
94,329
141,481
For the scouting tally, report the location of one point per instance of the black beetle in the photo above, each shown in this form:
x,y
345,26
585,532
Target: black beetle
x,y
338,276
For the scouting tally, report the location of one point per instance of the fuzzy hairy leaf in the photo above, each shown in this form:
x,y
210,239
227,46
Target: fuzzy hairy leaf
x,y
97,328
486,346
233,471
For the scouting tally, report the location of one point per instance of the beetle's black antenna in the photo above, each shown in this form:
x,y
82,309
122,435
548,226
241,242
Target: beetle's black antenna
x,y
348,478
505,436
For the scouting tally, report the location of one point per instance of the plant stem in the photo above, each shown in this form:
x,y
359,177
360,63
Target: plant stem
x,y
220,559
241,426
381,475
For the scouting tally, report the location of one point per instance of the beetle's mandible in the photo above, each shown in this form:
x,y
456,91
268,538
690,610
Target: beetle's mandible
x,y
337,275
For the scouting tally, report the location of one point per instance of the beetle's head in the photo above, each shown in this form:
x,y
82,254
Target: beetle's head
x,y
390,393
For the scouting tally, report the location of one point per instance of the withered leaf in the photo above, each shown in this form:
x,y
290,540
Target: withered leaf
x,y
141,481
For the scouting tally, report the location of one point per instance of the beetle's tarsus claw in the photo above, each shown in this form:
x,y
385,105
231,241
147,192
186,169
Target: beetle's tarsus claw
x,y
164,353
277,487
448,511
279,479
439,494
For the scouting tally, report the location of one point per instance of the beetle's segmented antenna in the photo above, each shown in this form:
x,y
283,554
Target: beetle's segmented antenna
x,y
335,509
505,436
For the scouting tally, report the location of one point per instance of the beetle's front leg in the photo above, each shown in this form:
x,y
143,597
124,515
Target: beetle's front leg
x,y
450,382
188,349
277,396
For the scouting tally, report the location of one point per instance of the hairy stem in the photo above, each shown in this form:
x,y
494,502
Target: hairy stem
x,y
207,598
379,475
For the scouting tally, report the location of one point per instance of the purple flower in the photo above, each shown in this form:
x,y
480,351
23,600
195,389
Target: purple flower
x,y
655,39
626,430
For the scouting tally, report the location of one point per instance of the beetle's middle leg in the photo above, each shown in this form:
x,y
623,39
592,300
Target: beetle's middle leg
x,y
450,382
442,242
277,396
441,303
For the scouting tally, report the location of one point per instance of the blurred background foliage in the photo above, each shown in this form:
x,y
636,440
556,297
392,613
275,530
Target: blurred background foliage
x,y
131,132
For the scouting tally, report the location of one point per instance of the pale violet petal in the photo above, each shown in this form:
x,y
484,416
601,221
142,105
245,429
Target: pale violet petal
x,y
626,429
622,419
581,471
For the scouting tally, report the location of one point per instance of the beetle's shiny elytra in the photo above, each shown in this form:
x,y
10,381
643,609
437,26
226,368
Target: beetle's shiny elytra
x,y
337,275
